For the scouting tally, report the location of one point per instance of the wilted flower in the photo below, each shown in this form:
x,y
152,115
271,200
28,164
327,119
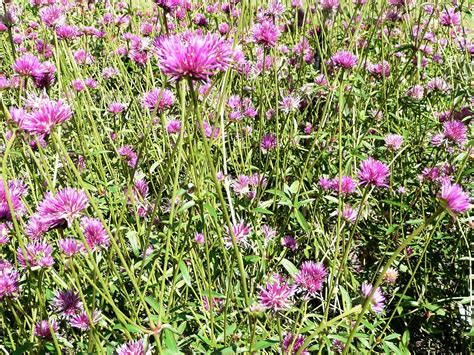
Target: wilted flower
x,y
390,276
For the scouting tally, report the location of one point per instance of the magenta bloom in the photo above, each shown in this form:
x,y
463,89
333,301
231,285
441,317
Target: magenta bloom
x,y
158,100
168,5
455,131
50,113
116,107
51,16
329,5
94,232
269,142
455,199
289,242
45,78
347,184
61,209
173,126
4,231
67,302
43,330
193,55
136,347
276,296
265,33
70,247
377,300
27,65
129,154
38,253
344,60
393,141
17,190
295,344
373,172
241,233
82,321
9,279
450,17
349,214
311,277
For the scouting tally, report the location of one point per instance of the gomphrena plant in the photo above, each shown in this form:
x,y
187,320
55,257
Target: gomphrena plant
x,y
236,176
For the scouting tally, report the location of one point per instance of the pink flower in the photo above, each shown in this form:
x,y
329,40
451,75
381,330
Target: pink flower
x,y
62,208
329,5
82,321
158,99
4,231
9,279
168,5
349,214
344,60
71,247
27,65
16,190
50,113
269,142
173,126
136,347
241,233
43,330
373,172
292,344
94,233
51,16
265,33
193,55
129,154
276,295
116,107
67,302
311,277
38,253
289,242
455,199
416,92
377,300
199,238
455,131
393,141
450,17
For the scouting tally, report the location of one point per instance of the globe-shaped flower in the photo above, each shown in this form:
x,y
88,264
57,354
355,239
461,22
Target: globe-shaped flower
x,y
193,55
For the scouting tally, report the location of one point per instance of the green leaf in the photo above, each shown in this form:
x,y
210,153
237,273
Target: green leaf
x,y
184,272
263,344
153,303
302,221
211,210
290,267
262,210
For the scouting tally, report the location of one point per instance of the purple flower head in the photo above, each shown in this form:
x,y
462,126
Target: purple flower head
x,y
173,126
71,247
61,209
4,232
81,320
268,233
373,172
345,186
393,141
168,5
134,347
416,92
129,154
289,242
51,16
276,295
193,55
67,32
344,60
290,103
311,277
43,330
455,199
16,190
269,142
349,214
9,280
377,300
329,5
27,65
265,33
116,108
67,302
50,113
455,131
94,233
450,18
241,233
292,344
38,253
158,100
199,238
